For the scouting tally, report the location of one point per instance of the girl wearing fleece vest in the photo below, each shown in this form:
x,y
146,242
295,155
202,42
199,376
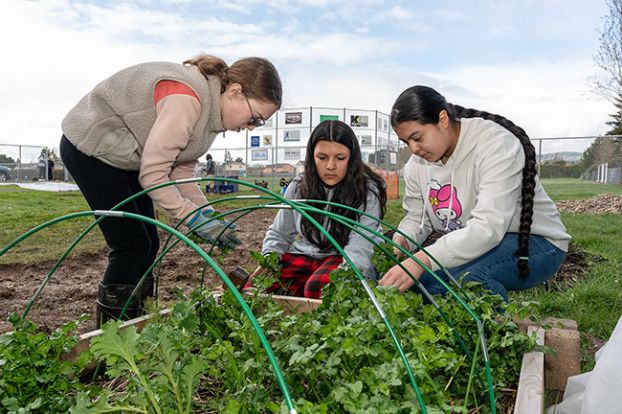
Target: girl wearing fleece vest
x,y
472,177
334,171
146,125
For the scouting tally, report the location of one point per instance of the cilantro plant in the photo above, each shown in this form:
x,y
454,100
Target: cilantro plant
x,y
205,356
336,359
33,376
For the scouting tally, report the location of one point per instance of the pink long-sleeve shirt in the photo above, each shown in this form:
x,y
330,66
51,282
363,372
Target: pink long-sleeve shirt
x,y
178,109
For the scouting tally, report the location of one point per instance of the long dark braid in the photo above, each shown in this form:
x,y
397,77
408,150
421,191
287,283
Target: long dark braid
x,y
529,178
423,104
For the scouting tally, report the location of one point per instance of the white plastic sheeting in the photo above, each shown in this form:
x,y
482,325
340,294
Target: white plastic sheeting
x,y
46,186
597,391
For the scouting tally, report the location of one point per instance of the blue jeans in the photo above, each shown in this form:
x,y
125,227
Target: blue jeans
x,y
497,269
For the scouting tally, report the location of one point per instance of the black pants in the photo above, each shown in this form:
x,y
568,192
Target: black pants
x,y
133,244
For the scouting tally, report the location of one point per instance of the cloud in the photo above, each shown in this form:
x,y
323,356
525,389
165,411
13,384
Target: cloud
x,y
59,50
547,98
398,13
329,53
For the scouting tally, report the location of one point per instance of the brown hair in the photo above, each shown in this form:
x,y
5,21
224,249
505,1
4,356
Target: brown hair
x,y
258,77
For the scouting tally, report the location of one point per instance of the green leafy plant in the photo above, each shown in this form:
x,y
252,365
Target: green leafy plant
x,y
160,378
33,376
269,261
205,356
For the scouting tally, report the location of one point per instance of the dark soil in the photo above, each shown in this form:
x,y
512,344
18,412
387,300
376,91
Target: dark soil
x,y
72,290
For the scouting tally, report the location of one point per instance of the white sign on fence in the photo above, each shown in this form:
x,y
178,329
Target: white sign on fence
x,y
292,154
291,136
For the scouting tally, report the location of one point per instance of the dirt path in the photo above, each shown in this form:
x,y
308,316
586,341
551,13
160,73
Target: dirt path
x,y
73,288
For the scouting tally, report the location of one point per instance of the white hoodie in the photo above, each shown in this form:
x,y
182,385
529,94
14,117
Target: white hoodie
x,y
484,174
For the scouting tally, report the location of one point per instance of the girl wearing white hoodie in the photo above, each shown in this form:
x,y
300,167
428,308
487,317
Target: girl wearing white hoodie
x,y
473,178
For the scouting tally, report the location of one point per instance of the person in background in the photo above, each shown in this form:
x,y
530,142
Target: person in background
x,y
284,182
146,125
198,170
334,171
41,166
50,167
472,178
210,172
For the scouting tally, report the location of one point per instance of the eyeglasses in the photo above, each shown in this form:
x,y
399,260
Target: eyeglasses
x,y
254,120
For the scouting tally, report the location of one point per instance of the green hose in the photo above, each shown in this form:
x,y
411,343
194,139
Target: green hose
x,y
245,308
339,250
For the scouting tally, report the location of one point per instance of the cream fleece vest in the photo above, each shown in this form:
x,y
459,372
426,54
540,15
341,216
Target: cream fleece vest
x,y
113,121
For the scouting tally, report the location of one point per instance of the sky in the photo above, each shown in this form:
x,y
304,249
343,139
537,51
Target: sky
x,y
529,60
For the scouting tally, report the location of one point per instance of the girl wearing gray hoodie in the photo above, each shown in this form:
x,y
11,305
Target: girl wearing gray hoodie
x,y
334,171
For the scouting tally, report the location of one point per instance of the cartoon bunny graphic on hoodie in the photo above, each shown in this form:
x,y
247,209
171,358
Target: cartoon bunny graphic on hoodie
x,y
445,205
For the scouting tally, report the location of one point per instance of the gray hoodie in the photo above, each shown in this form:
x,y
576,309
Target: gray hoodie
x,y
475,197
285,233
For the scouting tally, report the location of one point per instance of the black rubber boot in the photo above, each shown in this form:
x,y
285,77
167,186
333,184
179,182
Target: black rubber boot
x,y
111,300
238,276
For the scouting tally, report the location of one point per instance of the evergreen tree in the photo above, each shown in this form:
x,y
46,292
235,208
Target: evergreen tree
x,y
616,123
49,153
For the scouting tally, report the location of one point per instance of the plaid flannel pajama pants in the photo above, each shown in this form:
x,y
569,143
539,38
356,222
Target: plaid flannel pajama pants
x,y
302,275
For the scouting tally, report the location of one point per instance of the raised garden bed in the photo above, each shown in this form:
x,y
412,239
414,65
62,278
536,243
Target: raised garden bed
x,y
542,376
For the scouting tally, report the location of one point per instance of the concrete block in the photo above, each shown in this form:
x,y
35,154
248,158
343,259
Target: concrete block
x,y
567,361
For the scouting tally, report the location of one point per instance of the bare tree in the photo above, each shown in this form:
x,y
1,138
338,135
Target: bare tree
x,y
609,54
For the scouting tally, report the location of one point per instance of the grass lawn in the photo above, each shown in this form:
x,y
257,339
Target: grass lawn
x,y
595,301
575,189
566,188
22,210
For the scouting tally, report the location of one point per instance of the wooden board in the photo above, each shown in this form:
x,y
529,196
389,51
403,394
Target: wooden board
x,y
290,304
530,394
293,304
84,340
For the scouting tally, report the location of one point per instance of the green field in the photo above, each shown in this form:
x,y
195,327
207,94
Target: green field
x,y
594,301
575,189
557,188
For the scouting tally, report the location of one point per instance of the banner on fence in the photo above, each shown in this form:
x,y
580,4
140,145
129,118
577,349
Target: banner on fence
x,y
359,121
293,117
292,154
259,154
329,118
291,136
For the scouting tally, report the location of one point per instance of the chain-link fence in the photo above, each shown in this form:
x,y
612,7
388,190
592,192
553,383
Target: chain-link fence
x,y
275,153
277,150
578,167
30,163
